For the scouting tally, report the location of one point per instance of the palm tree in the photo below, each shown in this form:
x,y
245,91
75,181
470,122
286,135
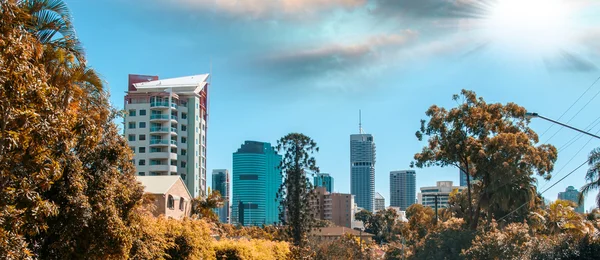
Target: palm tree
x,y
592,176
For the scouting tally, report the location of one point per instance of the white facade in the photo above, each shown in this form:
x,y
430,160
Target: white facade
x,y
442,191
165,126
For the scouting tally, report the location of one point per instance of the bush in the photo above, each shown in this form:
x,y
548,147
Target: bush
x,y
251,249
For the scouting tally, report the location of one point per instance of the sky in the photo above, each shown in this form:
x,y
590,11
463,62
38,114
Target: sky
x,y
309,66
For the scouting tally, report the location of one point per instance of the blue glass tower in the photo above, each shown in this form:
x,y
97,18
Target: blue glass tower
x,y
324,180
362,170
256,180
220,182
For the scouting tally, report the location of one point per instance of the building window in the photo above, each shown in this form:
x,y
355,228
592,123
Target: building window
x,y
183,115
142,149
181,204
183,164
131,125
173,150
183,128
131,138
183,140
131,112
142,138
141,173
170,202
183,151
142,124
142,162
142,112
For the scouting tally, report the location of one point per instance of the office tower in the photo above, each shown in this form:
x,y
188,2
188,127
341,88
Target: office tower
x,y
166,124
362,169
403,188
379,202
572,194
442,191
323,180
463,178
256,181
220,183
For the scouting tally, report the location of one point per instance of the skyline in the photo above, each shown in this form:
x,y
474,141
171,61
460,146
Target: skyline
x,y
350,56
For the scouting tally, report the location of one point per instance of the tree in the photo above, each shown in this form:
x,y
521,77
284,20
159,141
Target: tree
x,y
381,224
295,193
491,143
203,207
592,177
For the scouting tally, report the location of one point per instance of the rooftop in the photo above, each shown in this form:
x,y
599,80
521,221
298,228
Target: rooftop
x,y
338,231
158,184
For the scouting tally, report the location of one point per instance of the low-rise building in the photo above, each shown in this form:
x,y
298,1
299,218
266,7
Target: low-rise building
x,y
171,196
334,233
441,192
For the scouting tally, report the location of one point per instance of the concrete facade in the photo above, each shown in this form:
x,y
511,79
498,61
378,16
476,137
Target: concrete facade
x,y
442,191
338,208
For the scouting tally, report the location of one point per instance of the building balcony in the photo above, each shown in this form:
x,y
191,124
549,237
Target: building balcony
x,y
163,155
162,105
163,168
164,130
163,142
162,118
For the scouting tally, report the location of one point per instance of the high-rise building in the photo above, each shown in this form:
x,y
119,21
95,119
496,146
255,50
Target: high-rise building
x,y
220,183
362,170
403,188
323,180
166,124
572,194
338,208
442,190
463,178
256,181
379,202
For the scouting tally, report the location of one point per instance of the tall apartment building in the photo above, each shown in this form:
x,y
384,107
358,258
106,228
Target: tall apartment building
x,y
379,202
338,208
256,181
572,194
323,180
403,188
442,191
166,124
220,183
362,170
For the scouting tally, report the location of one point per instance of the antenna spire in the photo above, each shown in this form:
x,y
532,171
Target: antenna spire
x,y
360,130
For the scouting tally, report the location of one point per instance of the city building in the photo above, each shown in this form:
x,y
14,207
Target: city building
x,y
403,188
323,180
220,183
339,208
379,202
442,190
166,124
256,180
334,233
572,194
463,178
362,170
171,196
401,214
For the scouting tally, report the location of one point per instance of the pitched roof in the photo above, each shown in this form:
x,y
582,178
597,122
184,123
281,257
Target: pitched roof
x,y
378,196
338,231
159,184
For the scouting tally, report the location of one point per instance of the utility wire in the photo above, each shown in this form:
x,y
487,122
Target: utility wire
x,y
572,105
573,117
577,137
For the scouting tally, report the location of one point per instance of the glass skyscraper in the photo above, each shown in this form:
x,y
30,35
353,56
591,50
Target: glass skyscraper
x,y
324,180
403,188
572,194
220,182
362,170
256,180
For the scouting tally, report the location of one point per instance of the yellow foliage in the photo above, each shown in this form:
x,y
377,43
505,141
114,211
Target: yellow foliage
x,y
251,249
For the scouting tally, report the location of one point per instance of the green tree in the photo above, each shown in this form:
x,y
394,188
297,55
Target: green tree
x,y
204,207
491,143
295,193
592,177
381,224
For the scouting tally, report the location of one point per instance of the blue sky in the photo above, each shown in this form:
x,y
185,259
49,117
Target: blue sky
x,y
309,65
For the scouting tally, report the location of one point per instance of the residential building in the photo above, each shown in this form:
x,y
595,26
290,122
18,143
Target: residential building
x,y
338,208
572,194
220,183
403,188
166,124
442,190
256,180
335,233
323,180
171,196
362,170
379,202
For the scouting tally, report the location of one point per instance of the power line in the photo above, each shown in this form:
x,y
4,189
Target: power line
x,y
577,137
572,105
598,93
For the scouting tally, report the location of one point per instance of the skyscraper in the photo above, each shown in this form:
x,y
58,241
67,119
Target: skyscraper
x,y
220,182
256,180
403,188
362,169
572,194
379,202
323,180
463,178
166,124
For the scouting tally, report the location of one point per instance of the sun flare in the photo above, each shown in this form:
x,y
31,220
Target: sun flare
x,y
530,26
